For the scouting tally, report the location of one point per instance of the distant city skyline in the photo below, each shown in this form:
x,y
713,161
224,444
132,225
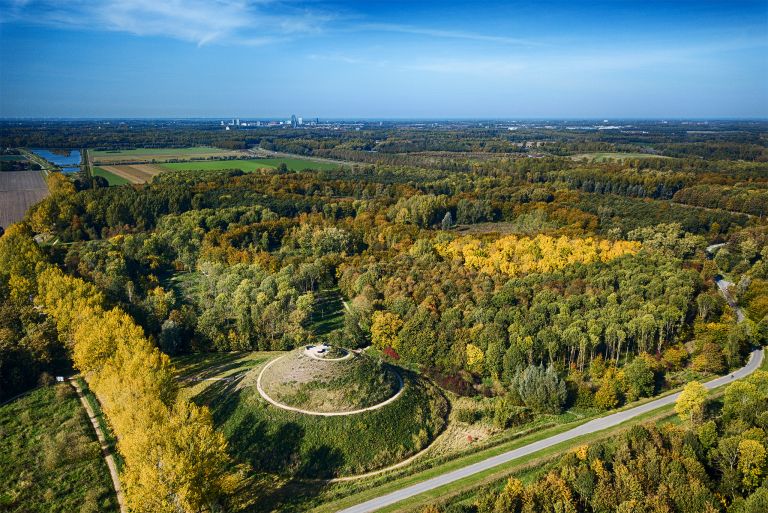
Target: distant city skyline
x,y
384,61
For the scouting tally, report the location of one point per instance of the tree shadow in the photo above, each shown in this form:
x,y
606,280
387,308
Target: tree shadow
x,y
206,366
286,473
293,494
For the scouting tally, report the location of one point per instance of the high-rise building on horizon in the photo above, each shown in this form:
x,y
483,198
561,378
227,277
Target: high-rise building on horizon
x,y
294,121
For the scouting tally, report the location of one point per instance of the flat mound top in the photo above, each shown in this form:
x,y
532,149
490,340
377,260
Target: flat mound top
x,y
341,381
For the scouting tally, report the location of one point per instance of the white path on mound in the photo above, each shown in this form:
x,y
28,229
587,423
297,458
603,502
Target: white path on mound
x,y
311,354
325,414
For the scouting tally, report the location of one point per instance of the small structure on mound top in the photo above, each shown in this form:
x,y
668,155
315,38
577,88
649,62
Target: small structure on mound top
x,y
317,351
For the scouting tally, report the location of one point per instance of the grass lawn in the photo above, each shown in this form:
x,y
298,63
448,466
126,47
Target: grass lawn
x,y
50,460
112,178
249,165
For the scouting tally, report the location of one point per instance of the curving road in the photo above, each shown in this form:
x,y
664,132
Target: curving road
x,y
755,359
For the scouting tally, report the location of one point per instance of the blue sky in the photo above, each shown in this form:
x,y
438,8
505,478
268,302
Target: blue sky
x,y
384,59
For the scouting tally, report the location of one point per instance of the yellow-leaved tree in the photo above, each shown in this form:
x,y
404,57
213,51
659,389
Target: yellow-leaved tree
x,y
690,405
515,255
175,461
384,329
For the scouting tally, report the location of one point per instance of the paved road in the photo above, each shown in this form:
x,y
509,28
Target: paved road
x,y
723,285
755,359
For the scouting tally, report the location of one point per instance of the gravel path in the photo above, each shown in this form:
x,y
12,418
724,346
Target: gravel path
x,y
108,457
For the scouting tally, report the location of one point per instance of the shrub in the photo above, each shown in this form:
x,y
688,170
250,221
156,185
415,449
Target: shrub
x,y
467,415
391,353
506,413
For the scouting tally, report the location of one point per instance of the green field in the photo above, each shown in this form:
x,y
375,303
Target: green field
x,y
112,178
249,165
11,158
50,460
615,156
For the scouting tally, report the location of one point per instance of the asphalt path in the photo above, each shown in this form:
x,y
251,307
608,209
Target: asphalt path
x,y
593,426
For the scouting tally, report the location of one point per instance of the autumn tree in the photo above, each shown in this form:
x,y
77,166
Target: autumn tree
x,y
690,404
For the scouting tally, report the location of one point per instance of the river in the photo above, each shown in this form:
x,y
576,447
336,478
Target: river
x,y
67,160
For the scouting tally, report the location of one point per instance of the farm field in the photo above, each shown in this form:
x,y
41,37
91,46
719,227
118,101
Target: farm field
x,y
136,173
143,173
112,178
18,191
159,154
49,456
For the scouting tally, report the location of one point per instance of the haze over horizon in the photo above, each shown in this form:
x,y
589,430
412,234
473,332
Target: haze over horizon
x,y
438,60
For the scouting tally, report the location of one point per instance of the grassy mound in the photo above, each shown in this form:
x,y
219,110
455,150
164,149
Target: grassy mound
x,y
293,444
49,457
326,385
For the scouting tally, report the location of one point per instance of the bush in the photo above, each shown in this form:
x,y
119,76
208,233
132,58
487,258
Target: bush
x,y
46,380
506,413
467,415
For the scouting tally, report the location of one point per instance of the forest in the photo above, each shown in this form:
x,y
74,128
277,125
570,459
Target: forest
x,y
522,279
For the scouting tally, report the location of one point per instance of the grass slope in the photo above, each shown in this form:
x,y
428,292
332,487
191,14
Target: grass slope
x,y
50,460
296,445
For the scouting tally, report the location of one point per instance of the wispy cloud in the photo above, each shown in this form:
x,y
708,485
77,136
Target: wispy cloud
x,y
449,34
253,22
544,62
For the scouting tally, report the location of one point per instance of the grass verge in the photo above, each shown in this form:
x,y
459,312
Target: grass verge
x,y
50,459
